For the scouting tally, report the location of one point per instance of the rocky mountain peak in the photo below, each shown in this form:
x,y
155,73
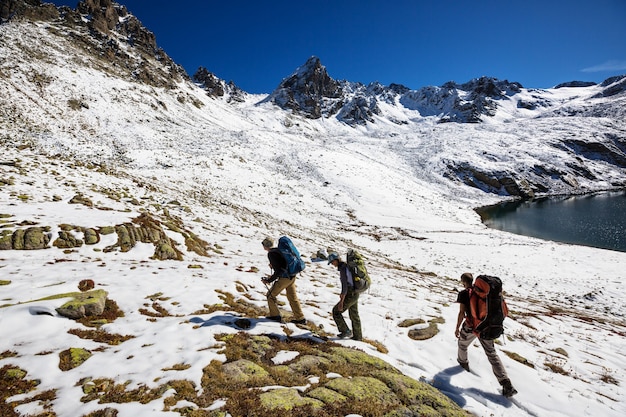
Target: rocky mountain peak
x,y
106,16
305,89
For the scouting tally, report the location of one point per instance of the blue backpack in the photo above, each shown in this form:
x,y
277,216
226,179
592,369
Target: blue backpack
x,y
295,263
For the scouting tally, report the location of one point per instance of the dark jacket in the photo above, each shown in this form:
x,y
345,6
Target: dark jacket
x,y
278,263
344,277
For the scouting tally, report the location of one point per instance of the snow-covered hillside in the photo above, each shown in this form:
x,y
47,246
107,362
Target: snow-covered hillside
x,y
233,171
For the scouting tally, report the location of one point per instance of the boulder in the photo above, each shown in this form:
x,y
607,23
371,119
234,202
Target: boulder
x,y
90,303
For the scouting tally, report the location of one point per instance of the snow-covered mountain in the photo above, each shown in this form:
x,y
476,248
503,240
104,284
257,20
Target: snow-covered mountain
x,y
92,111
520,142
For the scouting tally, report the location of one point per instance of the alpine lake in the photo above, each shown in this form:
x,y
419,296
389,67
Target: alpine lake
x,y
597,220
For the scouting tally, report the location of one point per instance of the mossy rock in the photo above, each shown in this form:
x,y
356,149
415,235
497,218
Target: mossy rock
x,y
125,240
90,303
164,250
15,373
413,392
91,236
31,239
424,333
13,382
358,358
287,399
81,199
368,386
365,389
72,358
106,230
243,371
310,365
6,240
4,282
327,396
67,240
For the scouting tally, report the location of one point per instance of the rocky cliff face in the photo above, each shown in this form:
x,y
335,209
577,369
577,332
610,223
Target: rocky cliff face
x,y
216,87
309,91
103,28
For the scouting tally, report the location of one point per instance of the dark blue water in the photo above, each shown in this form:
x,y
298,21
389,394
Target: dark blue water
x,y
597,220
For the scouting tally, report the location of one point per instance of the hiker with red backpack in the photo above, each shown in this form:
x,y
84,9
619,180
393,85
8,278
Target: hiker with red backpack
x,y
474,321
285,262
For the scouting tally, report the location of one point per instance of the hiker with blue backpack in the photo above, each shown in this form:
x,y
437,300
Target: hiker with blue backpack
x,y
285,263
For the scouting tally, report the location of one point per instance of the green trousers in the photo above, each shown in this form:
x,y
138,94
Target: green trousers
x,y
350,303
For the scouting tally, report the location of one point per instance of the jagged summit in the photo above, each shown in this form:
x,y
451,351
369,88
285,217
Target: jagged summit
x,y
305,91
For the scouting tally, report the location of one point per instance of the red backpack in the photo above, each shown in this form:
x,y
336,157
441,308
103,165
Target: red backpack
x,y
487,307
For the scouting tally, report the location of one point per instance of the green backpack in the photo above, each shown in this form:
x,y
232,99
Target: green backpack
x,y
360,277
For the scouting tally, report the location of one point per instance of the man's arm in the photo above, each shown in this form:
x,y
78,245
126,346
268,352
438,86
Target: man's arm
x,y
459,319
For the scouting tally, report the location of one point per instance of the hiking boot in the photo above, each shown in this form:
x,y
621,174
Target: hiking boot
x,y
301,321
346,334
507,389
465,365
275,318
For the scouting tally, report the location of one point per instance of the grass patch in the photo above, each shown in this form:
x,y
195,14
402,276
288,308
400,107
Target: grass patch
x,y
556,368
13,382
100,336
519,358
230,303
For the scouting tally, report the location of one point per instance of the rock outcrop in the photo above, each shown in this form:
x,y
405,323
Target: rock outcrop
x,y
216,87
84,304
100,27
306,91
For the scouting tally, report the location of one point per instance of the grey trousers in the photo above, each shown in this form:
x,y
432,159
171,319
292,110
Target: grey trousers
x,y
466,337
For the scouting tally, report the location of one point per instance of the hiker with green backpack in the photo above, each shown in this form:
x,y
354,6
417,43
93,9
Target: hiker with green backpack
x,y
354,280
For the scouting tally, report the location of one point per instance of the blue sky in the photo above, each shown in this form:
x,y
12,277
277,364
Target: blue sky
x,y
418,43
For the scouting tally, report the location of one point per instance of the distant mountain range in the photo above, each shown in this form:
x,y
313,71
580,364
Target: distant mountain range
x,y
51,57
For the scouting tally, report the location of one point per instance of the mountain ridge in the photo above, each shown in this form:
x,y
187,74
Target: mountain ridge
x,y
66,62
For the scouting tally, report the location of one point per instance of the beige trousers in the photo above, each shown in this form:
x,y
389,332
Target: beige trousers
x,y
289,285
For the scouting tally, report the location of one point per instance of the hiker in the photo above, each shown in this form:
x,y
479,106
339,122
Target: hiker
x,y
348,300
278,264
465,335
